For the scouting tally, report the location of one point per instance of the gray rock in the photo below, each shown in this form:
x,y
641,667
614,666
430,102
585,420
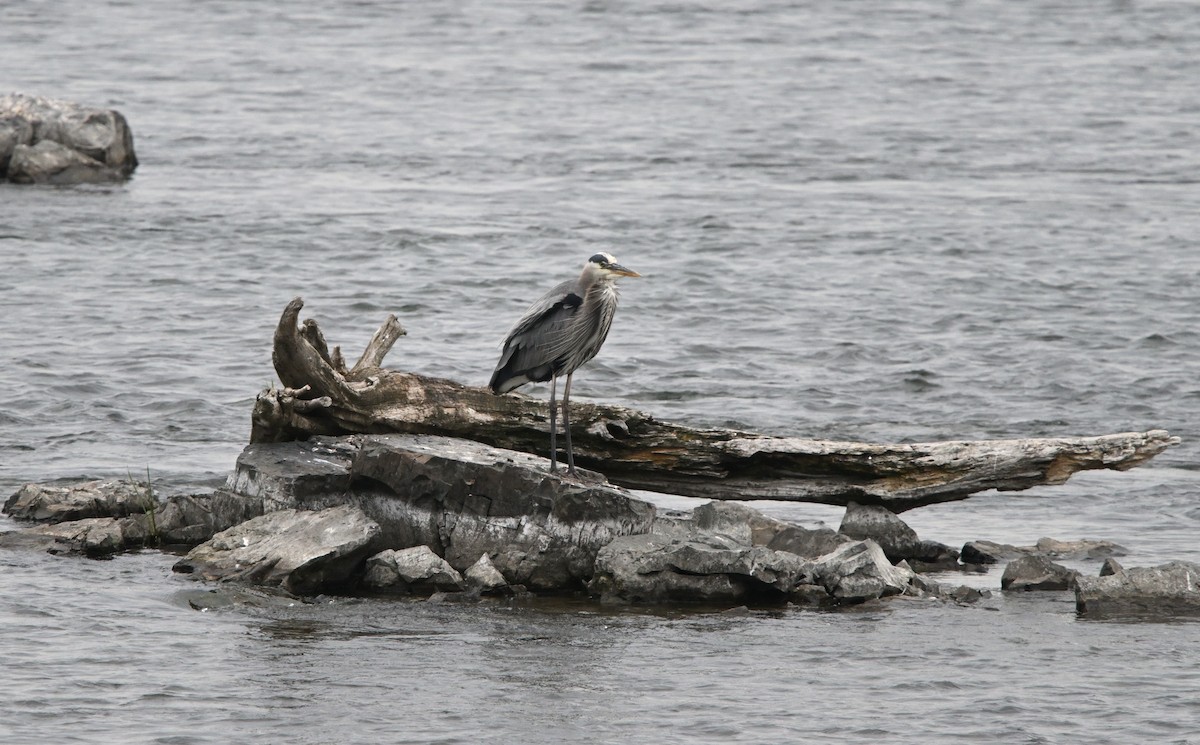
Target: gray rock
x,y
181,520
14,130
990,552
416,569
1110,567
49,503
93,536
461,498
1164,591
47,141
859,571
1036,573
48,162
809,543
485,577
303,552
642,568
716,567
897,539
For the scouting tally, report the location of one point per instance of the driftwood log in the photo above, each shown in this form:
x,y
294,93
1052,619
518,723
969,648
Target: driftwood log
x,y
321,395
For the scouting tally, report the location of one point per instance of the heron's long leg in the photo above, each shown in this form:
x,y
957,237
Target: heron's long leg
x,y
553,428
567,426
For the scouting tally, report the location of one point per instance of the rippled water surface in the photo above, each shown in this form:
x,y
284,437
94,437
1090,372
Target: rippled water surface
x,y
876,221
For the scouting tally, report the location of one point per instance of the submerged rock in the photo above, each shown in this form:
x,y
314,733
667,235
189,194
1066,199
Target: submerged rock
x,y
303,552
44,141
1036,573
1166,590
990,552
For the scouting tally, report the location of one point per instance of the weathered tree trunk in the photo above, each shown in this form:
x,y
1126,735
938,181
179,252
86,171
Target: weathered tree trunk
x,y
322,396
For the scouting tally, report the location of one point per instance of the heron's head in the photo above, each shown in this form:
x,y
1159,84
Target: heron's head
x,y
604,266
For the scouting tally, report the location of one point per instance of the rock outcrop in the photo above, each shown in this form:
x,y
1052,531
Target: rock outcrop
x,y
44,141
1171,589
460,498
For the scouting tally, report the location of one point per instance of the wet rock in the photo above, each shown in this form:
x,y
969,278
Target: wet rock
x,y
964,595
1164,591
897,539
461,498
93,536
416,569
55,504
14,131
1110,567
1036,573
192,519
990,552
860,571
303,552
182,520
484,577
657,568
46,141
808,542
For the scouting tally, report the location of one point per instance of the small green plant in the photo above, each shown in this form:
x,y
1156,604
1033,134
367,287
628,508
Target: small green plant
x,y
150,507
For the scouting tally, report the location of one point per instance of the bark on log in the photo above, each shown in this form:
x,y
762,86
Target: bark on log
x,y
635,450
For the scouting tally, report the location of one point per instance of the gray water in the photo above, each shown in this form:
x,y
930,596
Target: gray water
x,y
873,221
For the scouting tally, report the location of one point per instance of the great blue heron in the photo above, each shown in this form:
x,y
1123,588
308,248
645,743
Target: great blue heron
x,y
557,335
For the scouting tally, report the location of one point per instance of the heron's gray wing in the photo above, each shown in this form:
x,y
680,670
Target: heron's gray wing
x,y
532,348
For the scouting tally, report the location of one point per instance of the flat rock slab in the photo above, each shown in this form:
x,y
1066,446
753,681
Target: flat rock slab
x,y
56,504
45,141
461,498
301,551
1164,591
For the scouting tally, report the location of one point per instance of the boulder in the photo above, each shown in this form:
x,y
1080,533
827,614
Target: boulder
x,y
303,552
897,539
484,577
1164,591
58,142
55,504
990,552
416,569
860,571
460,498
1036,573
